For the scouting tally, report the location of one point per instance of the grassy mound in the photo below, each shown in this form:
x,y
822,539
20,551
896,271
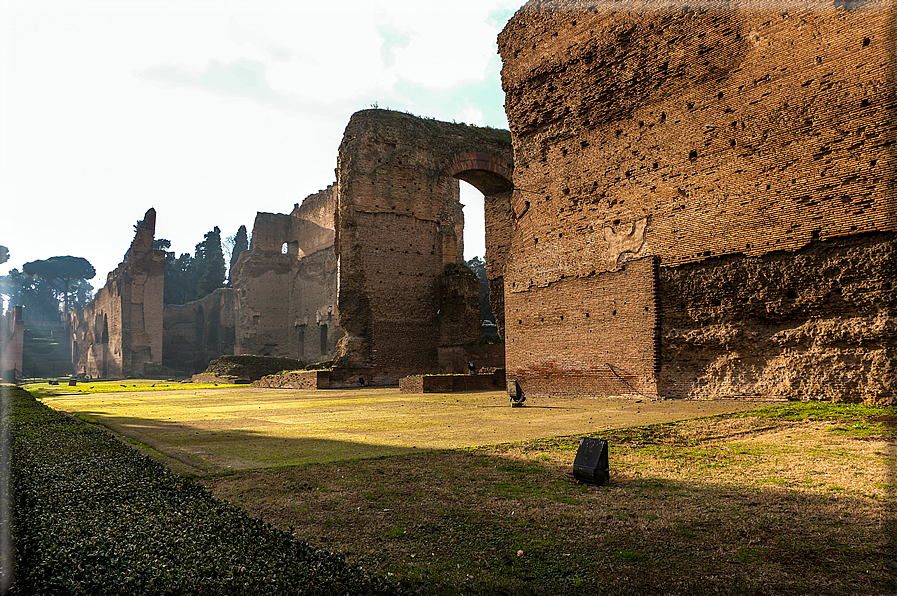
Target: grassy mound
x,y
251,367
93,516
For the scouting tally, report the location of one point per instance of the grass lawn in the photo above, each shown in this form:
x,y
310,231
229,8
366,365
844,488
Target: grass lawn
x,y
201,430
461,494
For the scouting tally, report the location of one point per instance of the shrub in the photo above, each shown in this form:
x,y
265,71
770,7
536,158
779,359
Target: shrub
x,y
93,516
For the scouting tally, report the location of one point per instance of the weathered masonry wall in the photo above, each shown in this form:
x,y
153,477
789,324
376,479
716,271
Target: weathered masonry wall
x,y
584,336
749,151
399,225
285,285
12,344
198,332
120,331
816,322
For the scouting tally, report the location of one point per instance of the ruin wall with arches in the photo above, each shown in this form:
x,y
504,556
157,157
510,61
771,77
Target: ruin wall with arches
x,y
119,334
399,236
704,199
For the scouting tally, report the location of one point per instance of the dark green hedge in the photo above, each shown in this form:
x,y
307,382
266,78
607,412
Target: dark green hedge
x,y
93,516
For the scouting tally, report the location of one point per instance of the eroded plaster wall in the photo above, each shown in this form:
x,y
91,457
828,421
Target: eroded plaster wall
x,y
728,143
399,225
120,331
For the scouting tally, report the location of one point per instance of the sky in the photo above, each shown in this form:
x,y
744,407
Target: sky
x,y
210,111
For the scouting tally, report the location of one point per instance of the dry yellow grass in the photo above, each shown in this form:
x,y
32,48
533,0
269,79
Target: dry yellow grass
x,y
461,494
214,430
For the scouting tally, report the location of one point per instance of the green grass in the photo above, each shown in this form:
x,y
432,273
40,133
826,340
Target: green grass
x,y
44,389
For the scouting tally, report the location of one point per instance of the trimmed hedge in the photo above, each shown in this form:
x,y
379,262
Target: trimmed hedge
x,y
91,515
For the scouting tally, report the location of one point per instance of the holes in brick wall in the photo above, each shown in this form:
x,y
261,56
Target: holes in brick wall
x,y
613,313
886,286
562,317
715,302
873,162
690,105
814,235
818,59
731,142
791,294
663,117
719,95
693,155
564,152
587,314
864,103
866,41
584,144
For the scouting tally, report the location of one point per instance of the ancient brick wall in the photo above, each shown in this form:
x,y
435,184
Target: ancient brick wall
x,y
12,344
198,332
399,223
688,136
120,331
586,336
285,285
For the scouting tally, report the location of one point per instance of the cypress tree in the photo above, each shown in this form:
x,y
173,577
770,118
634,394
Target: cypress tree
x,y
210,262
241,243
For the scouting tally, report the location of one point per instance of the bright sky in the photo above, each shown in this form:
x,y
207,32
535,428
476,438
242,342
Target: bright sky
x,y
210,111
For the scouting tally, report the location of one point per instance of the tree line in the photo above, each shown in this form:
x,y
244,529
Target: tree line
x,y
50,288
191,277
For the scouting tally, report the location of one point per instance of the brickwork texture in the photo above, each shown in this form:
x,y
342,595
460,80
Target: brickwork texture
x,y
748,151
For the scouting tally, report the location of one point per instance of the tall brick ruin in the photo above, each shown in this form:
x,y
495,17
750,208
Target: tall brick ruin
x,y
120,332
704,199
285,285
399,230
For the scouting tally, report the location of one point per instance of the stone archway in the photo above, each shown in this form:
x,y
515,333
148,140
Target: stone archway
x,y
399,229
490,174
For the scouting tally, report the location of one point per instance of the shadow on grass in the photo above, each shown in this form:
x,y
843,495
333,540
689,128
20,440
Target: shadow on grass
x,y
198,451
487,522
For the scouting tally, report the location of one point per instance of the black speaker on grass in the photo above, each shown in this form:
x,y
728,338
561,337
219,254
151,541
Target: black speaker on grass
x,y
591,465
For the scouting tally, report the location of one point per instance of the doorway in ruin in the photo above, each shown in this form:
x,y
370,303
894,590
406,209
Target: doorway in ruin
x,y
473,202
486,199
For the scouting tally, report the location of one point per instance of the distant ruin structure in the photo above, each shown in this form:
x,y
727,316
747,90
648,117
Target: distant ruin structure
x,y
399,235
119,334
12,343
704,199
286,285
198,332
